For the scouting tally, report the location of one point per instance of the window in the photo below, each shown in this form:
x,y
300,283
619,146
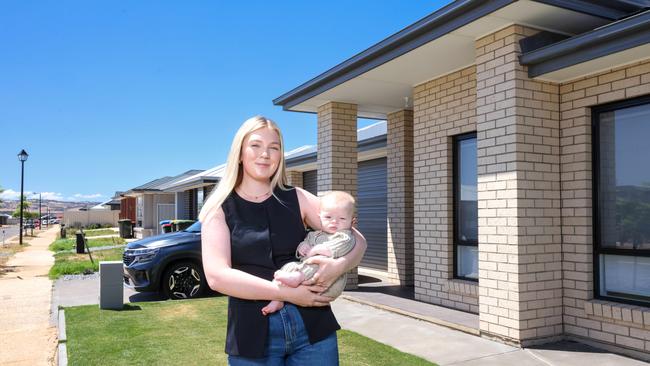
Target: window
x,y
199,201
465,208
139,210
621,167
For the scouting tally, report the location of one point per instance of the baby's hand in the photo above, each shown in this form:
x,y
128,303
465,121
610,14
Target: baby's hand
x,y
303,250
320,249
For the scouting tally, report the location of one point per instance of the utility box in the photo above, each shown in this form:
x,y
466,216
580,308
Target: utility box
x,y
111,287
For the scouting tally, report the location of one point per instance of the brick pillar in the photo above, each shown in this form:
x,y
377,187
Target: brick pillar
x,y
399,151
337,154
520,274
294,178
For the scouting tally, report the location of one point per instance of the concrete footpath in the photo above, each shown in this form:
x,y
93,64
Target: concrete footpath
x,y
446,346
26,336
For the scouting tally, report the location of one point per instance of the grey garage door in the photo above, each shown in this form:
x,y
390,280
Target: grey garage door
x,y
309,182
372,210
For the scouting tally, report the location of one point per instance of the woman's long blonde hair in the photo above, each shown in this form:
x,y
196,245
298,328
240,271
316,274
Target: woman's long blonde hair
x,y
233,173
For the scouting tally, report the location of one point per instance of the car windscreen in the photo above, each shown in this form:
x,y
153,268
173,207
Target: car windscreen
x,y
194,228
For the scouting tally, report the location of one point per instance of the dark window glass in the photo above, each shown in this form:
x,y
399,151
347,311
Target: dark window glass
x,y
622,200
465,207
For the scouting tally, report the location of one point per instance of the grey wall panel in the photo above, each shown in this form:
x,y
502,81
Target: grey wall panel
x,y
372,211
310,182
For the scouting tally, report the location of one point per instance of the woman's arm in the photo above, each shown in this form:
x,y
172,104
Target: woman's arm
x,y
221,277
329,269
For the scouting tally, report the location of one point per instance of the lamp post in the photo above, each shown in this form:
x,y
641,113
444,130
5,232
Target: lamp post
x,y
40,217
22,156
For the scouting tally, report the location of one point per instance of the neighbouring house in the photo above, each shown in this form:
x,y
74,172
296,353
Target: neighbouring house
x,y
153,205
517,165
192,191
127,206
371,199
112,204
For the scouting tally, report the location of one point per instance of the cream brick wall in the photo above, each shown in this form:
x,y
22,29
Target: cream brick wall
x,y
443,108
610,322
294,178
520,292
337,154
399,160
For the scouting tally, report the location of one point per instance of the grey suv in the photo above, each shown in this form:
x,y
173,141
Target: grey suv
x,y
168,263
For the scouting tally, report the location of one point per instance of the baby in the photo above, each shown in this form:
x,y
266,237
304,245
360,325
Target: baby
x,y
334,240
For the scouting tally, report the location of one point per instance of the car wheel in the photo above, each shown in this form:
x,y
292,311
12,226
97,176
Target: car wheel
x,y
183,280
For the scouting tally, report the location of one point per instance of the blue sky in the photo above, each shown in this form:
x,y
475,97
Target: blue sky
x,y
107,95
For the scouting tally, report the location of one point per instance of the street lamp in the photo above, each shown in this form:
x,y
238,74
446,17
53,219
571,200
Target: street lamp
x,y
22,156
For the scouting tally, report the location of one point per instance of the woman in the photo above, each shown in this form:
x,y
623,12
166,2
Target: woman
x,y
251,226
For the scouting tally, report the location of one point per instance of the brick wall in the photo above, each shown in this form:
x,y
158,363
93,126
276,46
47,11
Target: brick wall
x,y
337,154
442,108
294,178
610,322
518,195
399,232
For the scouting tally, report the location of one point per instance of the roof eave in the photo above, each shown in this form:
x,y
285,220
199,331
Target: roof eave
x,y
609,39
441,22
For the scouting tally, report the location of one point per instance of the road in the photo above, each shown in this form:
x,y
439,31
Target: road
x,y
9,231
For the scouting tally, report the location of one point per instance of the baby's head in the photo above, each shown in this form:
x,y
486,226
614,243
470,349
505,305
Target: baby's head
x,y
336,210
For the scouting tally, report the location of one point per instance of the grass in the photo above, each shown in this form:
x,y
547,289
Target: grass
x,y
188,332
98,232
70,231
71,263
71,243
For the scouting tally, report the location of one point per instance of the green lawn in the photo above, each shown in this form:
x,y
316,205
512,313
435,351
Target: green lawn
x,y
98,232
71,243
72,263
184,332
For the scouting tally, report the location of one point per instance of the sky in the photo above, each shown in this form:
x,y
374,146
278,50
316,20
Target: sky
x,y
107,95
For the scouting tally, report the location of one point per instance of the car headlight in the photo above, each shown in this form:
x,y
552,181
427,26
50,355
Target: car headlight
x,y
142,255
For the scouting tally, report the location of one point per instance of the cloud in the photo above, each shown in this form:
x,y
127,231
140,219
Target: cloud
x,y
55,196
9,194
83,197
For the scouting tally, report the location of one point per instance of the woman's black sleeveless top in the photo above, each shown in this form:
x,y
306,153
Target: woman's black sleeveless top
x,y
263,237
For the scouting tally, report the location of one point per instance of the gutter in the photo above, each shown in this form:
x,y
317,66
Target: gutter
x,y
615,37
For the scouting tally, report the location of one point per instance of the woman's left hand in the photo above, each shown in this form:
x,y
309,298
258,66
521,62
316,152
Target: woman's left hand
x,y
328,271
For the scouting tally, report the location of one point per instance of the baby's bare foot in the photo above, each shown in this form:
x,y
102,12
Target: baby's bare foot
x,y
272,307
290,279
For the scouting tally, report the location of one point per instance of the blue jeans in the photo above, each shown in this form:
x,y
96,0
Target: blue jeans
x,y
288,344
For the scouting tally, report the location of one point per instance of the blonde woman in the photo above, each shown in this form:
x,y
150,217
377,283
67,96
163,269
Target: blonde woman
x,y
251,226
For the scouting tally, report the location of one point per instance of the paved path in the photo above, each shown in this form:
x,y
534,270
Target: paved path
x,y
448,347
26,337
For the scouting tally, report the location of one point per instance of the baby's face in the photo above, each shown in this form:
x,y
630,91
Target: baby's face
x,y
335,218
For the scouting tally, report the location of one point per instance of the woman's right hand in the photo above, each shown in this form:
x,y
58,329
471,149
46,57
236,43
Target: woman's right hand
x,y
304,296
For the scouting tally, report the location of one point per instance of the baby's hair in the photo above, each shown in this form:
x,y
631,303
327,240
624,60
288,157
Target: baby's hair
x,y
339,198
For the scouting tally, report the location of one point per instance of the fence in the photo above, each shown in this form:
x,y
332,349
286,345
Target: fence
x,y
85,218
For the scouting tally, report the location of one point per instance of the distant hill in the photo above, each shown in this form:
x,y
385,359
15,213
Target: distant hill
x,y
9,206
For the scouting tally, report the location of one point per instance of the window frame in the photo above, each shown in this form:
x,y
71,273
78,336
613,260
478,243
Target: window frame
x,y
456,204
596,111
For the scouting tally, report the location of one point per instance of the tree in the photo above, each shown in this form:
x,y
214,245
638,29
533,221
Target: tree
x,y
25,205
1,190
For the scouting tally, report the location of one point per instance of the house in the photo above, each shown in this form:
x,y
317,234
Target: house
x,y
516,163
371,199
192,191
152,204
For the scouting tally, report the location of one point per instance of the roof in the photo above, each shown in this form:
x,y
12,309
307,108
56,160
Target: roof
x,y
622,35
158,185
368,138
576,14
209,176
